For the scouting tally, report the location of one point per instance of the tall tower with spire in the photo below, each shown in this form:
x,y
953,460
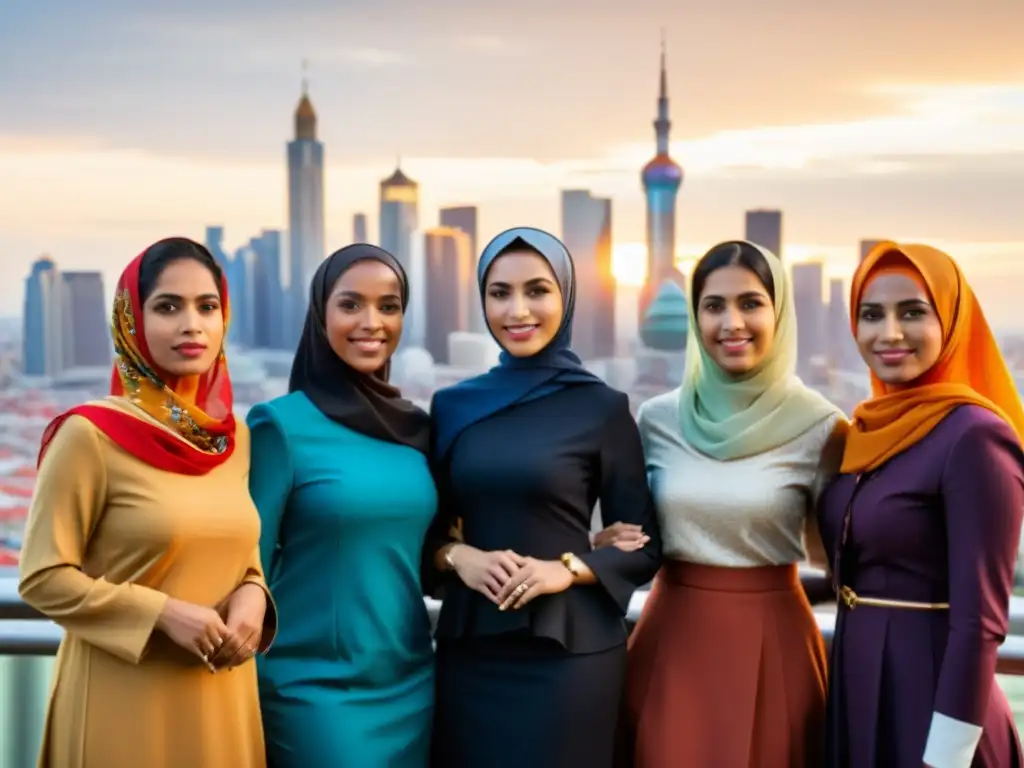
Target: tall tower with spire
x,y
305,208
661,178
399,215
400,236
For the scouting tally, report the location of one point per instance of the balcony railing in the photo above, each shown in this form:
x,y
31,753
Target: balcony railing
x,y
25,632
27,639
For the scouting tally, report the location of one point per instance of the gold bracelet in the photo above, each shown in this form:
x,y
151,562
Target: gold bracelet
x,y
569,561
447,556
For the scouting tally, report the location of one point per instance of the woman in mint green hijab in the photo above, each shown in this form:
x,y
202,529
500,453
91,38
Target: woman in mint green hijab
x,y
740,394
727,665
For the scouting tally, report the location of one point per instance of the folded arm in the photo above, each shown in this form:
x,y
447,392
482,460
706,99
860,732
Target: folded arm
x,y
625,497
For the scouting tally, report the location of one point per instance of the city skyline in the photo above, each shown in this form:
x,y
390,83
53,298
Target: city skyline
x,y
910,143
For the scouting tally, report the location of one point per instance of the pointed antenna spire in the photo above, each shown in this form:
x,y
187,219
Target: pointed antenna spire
x,y
305,115
662,124
664,74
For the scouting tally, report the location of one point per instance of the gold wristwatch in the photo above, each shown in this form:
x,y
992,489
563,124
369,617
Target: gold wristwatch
x,y
570,561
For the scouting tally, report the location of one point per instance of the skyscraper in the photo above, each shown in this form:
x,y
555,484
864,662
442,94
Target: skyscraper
x,y
305,209
842,349
399,216
866,246
86,334
449,274
215,244
808,278
464,217
268,304
587,233
242,285
234,268
359,232
661,178
764,227
42,345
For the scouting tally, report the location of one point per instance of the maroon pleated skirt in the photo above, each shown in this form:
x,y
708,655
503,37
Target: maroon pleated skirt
x,y
726,669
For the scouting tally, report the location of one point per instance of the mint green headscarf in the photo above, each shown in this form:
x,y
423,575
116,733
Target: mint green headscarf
x,y
728,417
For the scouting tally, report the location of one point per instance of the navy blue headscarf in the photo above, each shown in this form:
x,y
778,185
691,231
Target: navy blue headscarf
x,y
514,380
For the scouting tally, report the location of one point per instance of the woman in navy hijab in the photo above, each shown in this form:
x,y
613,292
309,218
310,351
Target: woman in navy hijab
x,y
531,647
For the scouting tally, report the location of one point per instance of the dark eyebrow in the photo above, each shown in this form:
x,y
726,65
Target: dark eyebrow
x,y
175,297
744,295
531,282
904,303
358,296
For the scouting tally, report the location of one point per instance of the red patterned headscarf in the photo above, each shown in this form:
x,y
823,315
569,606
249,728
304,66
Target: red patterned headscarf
x,y
196,427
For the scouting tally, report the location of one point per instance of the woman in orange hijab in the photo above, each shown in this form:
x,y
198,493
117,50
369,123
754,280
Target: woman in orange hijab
x,y
923,526
142,541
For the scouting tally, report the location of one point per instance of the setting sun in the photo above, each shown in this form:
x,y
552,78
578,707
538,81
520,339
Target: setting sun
x,y
629,263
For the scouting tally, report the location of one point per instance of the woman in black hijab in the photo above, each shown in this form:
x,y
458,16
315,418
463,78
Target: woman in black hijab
x,y
340,477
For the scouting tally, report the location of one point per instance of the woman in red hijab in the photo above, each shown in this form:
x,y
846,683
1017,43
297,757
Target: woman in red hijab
x,y
142,540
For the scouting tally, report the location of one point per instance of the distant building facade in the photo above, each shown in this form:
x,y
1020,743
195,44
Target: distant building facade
x,y
764,227
587,233
449,275
305,210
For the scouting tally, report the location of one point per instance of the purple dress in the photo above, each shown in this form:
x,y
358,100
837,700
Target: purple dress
x,y
939,523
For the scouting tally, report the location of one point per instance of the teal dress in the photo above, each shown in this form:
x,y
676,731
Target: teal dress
x,y
349,680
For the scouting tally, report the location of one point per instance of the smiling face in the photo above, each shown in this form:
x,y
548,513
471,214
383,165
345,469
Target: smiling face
x,y
183,319
736,319
899,334
364,315
522,302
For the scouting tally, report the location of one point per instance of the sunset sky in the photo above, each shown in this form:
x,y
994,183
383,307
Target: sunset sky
x,y
122,122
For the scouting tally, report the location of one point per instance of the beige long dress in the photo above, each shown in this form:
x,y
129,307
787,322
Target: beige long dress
x,y
109,539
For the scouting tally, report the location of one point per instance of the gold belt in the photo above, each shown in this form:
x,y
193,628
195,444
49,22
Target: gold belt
x,y
851,599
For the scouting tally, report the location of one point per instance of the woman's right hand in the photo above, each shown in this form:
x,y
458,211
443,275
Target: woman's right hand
x,y
485,572
196,628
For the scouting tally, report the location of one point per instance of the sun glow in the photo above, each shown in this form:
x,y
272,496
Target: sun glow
x,y
629,263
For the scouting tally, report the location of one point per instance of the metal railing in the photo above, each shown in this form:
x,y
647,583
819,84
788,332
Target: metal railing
x,y
25,632
28,641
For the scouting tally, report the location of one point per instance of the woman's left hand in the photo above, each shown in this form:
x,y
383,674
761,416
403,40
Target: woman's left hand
x,y
244,612
536,577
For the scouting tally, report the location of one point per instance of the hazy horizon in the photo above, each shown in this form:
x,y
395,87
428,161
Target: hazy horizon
x,y
904,121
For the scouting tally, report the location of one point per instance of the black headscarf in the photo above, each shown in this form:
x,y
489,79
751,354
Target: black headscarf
x,y
364,403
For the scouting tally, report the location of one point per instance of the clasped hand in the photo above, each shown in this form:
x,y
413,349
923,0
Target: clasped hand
x,y
223,637
508,579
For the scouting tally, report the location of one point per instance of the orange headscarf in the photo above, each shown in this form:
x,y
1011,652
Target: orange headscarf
x,y
970,370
